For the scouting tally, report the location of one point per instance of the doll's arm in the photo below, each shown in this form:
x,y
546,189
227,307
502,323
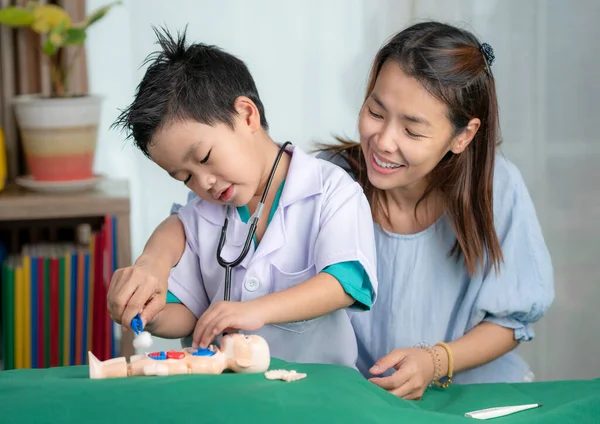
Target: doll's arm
x,y
174,321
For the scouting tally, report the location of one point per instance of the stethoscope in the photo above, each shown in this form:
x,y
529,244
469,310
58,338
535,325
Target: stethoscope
x,y
249,238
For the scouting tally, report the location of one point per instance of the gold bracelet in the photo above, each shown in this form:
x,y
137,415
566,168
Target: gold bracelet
x,y
437,367
448,382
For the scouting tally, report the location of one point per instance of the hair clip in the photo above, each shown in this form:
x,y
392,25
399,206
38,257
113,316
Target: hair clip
x,y
488,57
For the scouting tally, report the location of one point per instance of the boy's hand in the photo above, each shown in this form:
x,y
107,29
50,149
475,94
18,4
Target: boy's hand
x,y
139,288
226,316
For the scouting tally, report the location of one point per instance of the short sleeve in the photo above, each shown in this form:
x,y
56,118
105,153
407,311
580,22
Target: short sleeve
x,y
171,298
355,281
346,229
523,289
185,280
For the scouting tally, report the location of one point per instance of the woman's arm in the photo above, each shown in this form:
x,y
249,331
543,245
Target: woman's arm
x,y
415,366
484,343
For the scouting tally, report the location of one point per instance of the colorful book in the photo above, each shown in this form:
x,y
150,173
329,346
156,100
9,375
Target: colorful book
x,y
66,284
27,310
19,318
53,308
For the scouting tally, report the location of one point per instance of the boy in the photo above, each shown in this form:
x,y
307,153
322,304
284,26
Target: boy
x,y
197,114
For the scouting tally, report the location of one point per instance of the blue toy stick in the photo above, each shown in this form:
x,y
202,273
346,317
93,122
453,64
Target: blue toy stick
x,y
136,324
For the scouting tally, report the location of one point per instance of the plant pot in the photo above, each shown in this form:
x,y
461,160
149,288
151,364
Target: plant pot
x,y
59,135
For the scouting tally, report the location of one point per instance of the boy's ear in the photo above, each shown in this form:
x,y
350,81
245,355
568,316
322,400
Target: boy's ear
x,y
247,112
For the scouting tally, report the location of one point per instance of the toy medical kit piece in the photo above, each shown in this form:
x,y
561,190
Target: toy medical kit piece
x,y
284,375
239,353
142,339
486,414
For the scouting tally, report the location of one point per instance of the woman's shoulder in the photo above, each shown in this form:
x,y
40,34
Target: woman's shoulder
x,y
508,180
513,203
336,158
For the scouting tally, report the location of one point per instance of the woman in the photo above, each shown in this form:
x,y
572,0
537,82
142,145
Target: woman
x,y
461,257
462,263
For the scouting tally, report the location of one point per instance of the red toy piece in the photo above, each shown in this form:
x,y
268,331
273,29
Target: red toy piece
x,y
175,355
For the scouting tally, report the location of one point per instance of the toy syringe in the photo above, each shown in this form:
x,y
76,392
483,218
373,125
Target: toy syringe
x,y
142,339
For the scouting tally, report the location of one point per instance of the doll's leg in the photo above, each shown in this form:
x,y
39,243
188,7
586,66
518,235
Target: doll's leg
x,y
112,368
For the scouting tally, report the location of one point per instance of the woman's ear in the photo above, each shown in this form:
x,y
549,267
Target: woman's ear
x,y
462,140
248,113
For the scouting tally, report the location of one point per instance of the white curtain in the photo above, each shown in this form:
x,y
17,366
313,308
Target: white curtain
x,y
310,60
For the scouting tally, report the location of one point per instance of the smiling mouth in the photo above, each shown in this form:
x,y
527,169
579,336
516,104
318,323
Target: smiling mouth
x,y
383,164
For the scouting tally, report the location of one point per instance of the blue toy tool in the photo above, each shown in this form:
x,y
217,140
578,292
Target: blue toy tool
x,y
142,339
136,324
203,352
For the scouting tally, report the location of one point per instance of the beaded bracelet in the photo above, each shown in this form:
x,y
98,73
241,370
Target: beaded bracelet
x,y
437,366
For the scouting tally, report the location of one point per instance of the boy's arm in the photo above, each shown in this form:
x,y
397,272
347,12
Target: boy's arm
x,y
317,296
166,243
143,285
320,295
174,321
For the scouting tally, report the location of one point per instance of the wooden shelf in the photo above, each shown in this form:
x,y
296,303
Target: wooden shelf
x,y
111,197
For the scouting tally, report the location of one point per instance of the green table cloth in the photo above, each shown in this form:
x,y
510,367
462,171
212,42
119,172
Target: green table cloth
x,y
329,394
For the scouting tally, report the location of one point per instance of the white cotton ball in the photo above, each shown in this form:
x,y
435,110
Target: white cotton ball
x,y
142,340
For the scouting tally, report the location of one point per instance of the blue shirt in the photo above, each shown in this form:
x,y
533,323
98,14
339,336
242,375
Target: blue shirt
x,y
426,296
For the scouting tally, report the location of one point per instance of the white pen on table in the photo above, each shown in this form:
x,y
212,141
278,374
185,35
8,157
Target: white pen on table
x,y
500,411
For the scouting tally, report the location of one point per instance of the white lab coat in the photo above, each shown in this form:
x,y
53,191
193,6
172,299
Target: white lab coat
x,y
323,218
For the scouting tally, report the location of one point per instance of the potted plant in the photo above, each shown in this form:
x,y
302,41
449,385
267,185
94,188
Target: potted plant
x,y
58,131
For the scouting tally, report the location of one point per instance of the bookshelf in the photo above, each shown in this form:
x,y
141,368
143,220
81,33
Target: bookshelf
x,y
23,208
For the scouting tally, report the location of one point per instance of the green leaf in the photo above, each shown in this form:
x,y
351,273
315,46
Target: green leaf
x,y
55,39
74,36
99,14
49,48
16,17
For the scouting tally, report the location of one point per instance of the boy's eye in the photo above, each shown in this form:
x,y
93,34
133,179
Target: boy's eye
x,y
187,180
203,161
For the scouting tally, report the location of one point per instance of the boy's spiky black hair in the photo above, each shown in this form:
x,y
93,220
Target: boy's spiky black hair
x,y
198,82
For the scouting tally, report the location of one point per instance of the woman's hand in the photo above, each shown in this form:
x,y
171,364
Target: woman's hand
x,y
226,316
414,371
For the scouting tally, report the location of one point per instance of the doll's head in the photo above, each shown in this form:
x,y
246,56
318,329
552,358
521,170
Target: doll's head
x,y
246,353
